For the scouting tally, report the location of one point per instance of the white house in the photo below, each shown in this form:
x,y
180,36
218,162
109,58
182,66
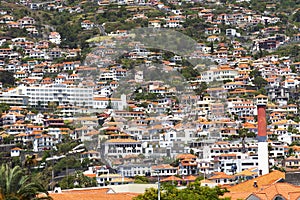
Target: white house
x,y
26,21
15,152
87,24
164,170
221,73
173,24
154,24
231,32
55,38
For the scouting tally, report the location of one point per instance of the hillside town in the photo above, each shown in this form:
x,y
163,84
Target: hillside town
x,y
113,97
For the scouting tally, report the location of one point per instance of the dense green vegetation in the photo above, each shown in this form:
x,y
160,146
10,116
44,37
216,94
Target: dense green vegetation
x,y
16,185
7,78
78,180
192,192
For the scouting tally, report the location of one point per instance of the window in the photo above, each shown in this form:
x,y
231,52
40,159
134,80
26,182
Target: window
x,y
279,198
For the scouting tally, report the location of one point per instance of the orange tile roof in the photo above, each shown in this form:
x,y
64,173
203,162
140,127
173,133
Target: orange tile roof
x,y
171,178
122,140
91,194
90,175
228,155
247,172
244,189
163,166
261,96
282,189
221,175
16,148
190,178
185,156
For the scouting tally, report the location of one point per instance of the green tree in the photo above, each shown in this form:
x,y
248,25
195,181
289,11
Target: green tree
x,y
260,82
52,106
30,161
296,16
7,78
141,179
243,133
65,163
15,185
200,90
4,107
8,139
191,192
78,180
189,72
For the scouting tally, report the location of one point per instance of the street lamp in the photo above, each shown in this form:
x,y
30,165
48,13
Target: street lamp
x,y
158,184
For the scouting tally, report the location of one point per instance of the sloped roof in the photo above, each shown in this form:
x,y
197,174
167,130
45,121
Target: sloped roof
x,y
282,189
91,194
244,189
185,156
221,175
190,178
171,178
163,166
247,172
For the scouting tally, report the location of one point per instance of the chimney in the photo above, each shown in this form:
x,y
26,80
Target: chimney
x,y
255,184
263,154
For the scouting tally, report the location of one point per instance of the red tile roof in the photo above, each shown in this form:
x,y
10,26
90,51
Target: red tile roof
x,y
244,189
171,178
91,194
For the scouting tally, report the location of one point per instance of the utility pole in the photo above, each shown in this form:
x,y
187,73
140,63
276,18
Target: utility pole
x,y
158,185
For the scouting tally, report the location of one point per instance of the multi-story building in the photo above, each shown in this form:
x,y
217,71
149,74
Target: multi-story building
x,y
122,145
164,170
105,102
42,142
132,170
222,178
14,100
292,162
187,164
234,162
221,73
60,94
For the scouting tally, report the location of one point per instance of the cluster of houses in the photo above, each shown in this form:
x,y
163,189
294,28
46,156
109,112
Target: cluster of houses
x,y
146,131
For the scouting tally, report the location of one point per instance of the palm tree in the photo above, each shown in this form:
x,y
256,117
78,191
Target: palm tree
x,y
15,185
243,134
30,161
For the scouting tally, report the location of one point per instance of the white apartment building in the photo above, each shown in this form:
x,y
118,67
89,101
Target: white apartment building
x,y
277,149
173,24
210,152
116,103
219,74
164,170
132,170
42,142
14,100
242,108
61,94
225,162
223,155
166,139
122,145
